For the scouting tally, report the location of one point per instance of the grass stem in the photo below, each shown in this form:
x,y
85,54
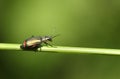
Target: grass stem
x,y
64,49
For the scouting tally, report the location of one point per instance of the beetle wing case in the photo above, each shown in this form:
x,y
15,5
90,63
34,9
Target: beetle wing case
x,y
32,43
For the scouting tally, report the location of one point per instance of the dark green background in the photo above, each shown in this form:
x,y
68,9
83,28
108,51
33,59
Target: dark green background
x,y
80,23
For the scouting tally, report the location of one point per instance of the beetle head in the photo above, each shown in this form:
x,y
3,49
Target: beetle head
x,y
49,38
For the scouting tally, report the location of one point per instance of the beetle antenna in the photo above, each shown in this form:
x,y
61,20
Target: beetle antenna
x,y
55,35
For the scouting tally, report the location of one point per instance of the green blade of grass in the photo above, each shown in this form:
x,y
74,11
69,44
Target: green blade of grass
x,y
64,49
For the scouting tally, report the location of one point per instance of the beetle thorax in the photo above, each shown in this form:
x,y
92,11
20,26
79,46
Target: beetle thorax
x,y
44,39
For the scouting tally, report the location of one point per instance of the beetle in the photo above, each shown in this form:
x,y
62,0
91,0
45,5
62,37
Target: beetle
x,y
35,42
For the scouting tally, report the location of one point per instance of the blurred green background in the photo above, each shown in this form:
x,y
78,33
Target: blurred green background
x,y
80,23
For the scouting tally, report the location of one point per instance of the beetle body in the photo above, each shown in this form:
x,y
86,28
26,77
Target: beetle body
x,y
35,42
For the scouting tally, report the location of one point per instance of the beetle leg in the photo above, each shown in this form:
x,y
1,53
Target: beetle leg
x,y
40,48
32,36
48,44
36,50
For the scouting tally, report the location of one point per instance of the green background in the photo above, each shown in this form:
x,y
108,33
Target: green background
x,y
80,23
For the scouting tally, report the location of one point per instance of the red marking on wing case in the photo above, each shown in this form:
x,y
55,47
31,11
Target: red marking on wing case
x,y
24,44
